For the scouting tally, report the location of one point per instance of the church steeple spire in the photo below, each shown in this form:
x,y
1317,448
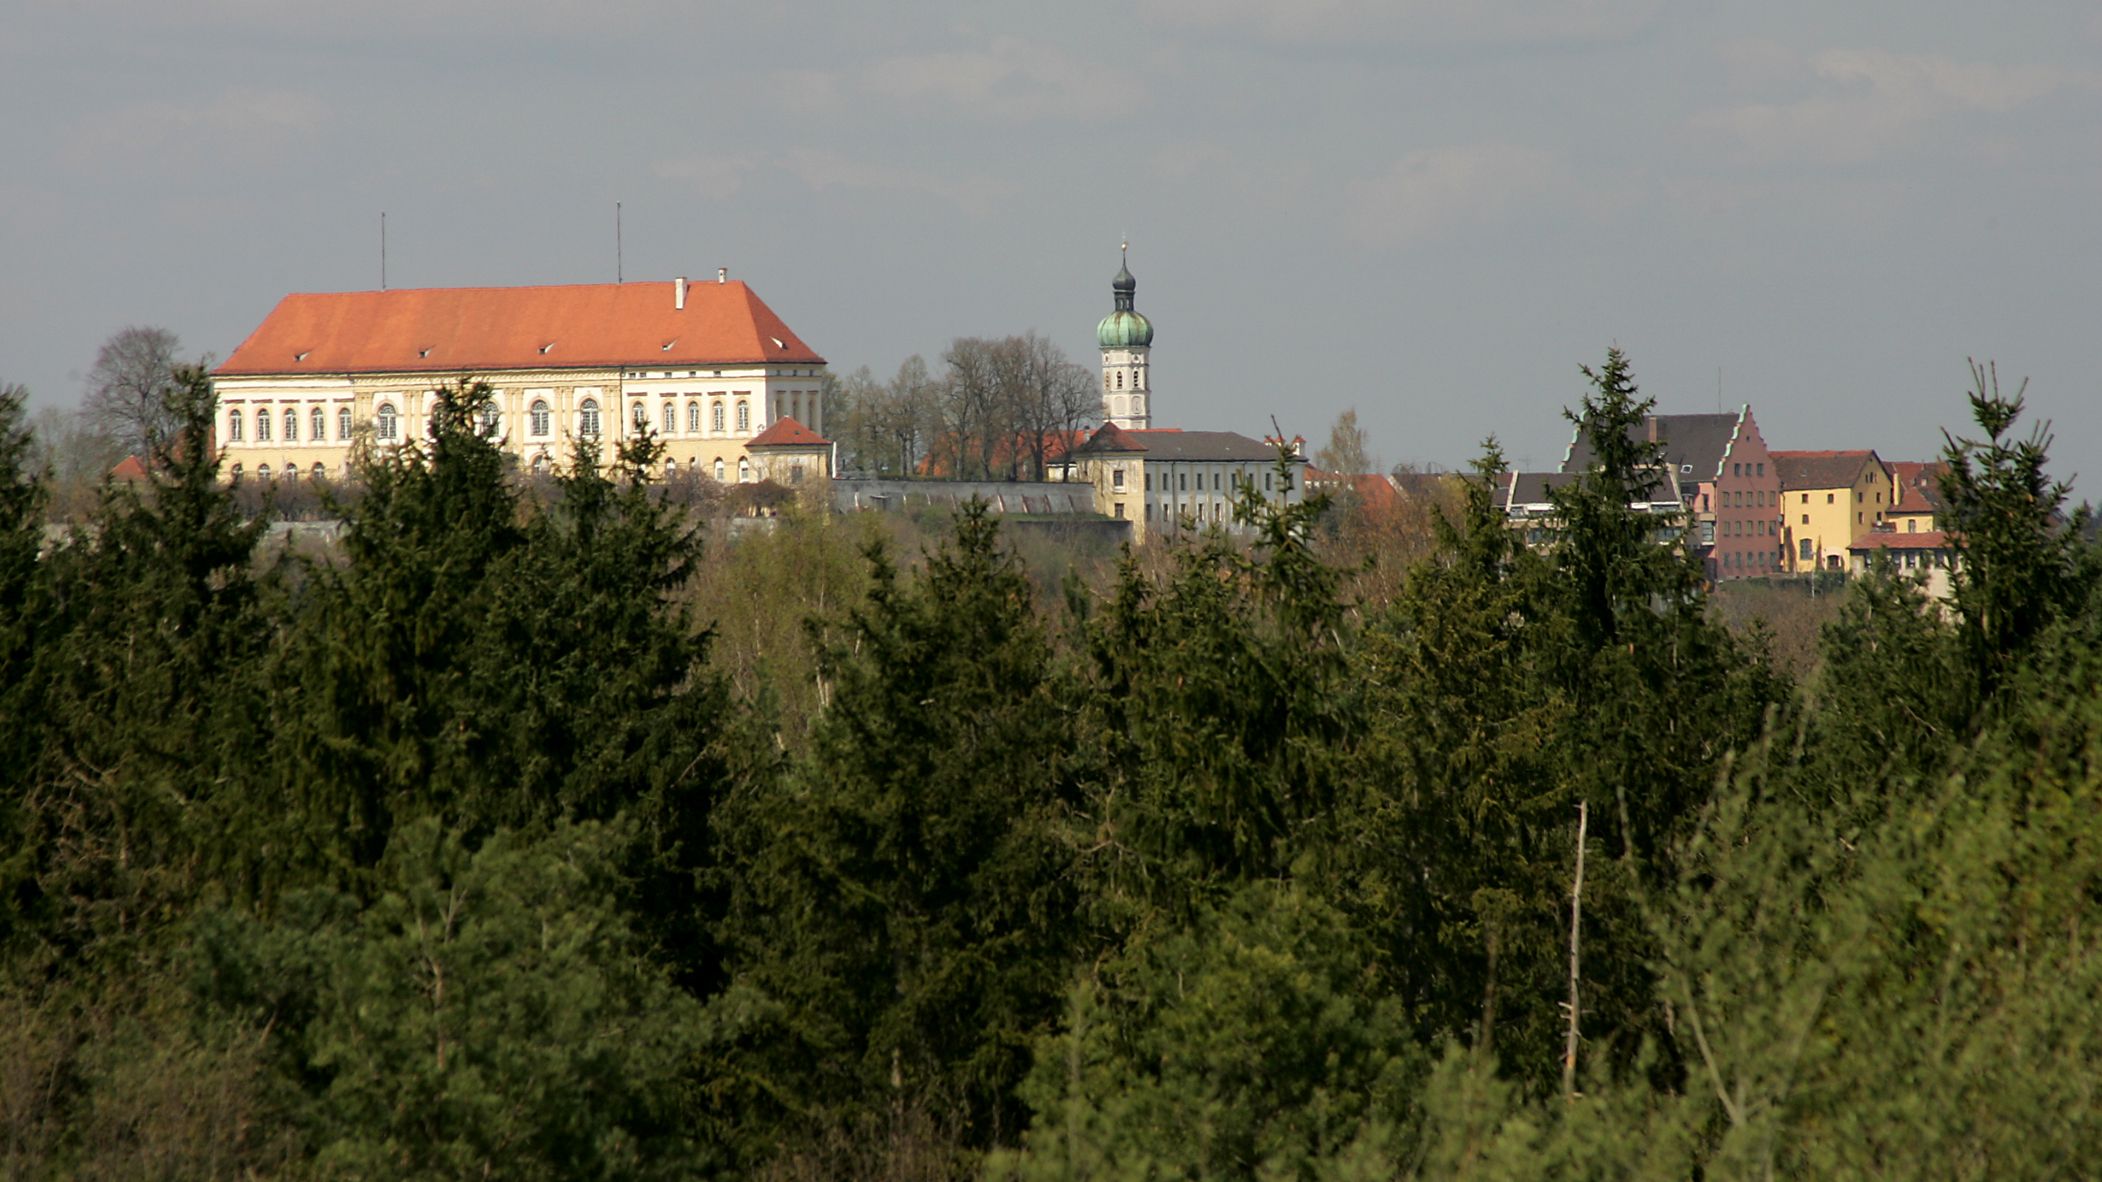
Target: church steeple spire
x,y
1126,338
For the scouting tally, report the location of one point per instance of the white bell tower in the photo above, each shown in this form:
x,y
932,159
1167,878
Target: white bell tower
x,y
1126,339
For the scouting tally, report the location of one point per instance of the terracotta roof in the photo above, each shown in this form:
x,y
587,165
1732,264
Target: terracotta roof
x,y
1932,539
446,329
1919,485
786,432
1110,437
1821,469
130,468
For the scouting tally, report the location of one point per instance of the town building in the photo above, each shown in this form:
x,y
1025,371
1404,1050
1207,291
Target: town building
x,y
1928,557
1727,484
1830,498
1166,482
708,368
1527,502
1916,496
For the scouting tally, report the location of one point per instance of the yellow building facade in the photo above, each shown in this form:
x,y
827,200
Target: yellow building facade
x,y
1829,498
706,368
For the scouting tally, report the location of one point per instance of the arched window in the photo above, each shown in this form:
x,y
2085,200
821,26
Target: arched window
x,y
640,417
715,418
343,424
693,418
671,469
539,418
262,471
744,416
587,418
317,425
291,425
291,474
262,426
233,426
744,471
718,466
1120,379
540,464
388,424
671,419
236,473
489,419
319,472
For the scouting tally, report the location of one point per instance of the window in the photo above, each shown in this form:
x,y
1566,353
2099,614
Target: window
x,y
1857,496
343,423
262,471
291,425
587,418
540,464
1762,469
1828,498
1215,482
795,474
693,418
1806,519
388,424
1116,480
715,421
1182,482
718,464
1912,526
317,425
744,416
237,473
262,428
1119,507
233,426
487,417
744,471
640,417
537,419
319,472
1806,498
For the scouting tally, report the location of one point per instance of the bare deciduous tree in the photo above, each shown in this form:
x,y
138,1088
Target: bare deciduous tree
x,y
1346,453
127,388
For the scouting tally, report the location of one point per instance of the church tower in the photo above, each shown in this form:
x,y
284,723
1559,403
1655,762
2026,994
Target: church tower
x,y
1126,338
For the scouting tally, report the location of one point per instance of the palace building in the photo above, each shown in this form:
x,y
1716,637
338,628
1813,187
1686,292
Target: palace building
x,y
724,384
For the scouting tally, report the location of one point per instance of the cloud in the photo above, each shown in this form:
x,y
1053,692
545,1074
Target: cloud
x,y
1438,190
1421,22
232,123
721,177
1872,98
1005,80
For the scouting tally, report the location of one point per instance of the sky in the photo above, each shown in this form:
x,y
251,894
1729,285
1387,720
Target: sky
x,y
1434,211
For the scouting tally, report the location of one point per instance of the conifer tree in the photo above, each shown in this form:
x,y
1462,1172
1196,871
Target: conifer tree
x,y
902,903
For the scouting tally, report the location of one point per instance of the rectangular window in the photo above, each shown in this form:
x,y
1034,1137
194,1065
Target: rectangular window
x,y
1116,480
1182,482
1119,506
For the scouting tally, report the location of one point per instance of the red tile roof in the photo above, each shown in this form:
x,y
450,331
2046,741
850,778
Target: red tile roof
x,y
786,432
1919,485
447,329
1932,539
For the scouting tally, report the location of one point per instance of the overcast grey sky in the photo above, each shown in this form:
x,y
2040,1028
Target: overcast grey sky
x,y
1434,210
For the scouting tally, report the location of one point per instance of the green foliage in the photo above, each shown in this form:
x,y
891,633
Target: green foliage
x,y
2021,562
1245,1045
487,1013
902,901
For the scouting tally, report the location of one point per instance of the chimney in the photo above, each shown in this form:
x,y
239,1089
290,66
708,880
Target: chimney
x,y
678,293
1653,428
722,274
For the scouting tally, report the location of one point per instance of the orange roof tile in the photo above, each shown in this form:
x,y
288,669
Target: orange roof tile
x,y
786,432
446,329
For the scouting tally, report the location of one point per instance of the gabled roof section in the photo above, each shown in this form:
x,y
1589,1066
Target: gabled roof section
x,y
1202,445
1110,438
1918,484
447,329
1821,469
1695,445
1931,539
786,432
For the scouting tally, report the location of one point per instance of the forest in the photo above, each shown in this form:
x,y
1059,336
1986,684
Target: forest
x,y
535,832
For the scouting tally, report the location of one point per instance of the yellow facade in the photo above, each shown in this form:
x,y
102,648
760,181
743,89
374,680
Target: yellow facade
x,y
1824,519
